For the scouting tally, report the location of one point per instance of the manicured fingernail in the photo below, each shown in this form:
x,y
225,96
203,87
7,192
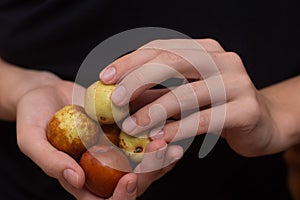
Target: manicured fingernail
x,y
156,134
131,186
118,94
108,74
71,177
129,124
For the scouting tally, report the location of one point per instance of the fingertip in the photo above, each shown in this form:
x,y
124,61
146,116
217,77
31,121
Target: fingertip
x,y
174,153
108,74
126,188
155,145
131,184
119,95
74,174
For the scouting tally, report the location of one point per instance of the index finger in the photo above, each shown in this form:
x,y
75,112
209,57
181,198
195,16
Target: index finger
x,y
120,67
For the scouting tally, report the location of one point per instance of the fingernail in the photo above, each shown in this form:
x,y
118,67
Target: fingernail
x,y
71,177
119,94
131,186
175,159
156,134
108,74
129,124
160,154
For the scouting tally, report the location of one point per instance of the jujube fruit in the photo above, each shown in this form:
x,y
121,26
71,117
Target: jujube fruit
x,y
72,131
98,104
104,165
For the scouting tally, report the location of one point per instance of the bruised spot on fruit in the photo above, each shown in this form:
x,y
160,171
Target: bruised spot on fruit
x,y
110,133
134,146
138,150
122,143
103,118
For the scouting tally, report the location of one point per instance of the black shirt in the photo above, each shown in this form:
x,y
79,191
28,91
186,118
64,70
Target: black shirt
x,y
56,35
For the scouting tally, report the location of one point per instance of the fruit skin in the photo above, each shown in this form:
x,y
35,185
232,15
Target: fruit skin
x,y
110,134
104,165
98,104
134,146
72,131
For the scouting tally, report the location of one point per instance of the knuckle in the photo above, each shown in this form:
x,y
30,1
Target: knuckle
x,y
252,111
138,76
169,57
204,120
143,119
234,59
171,131
212,42
247,84
154,43
121,62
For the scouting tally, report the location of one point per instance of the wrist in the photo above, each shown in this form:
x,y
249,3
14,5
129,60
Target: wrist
x,y
285,133
15,82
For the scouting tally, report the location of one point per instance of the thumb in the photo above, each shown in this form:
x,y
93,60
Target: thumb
x,y
57,164
126,188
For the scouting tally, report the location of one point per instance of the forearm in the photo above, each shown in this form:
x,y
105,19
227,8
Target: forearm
x,y
14,83
10,76
284,106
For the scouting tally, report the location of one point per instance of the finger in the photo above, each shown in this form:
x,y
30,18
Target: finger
x,y
183,99
112,73
80,194
181,63
153,157
158,156
147,97
172,155
211,45
126,188
212,120
54,163
191,58
207,44
125,64
140,80
32,141
215,120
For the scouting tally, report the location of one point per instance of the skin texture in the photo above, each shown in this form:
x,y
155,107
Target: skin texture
x,y
33,103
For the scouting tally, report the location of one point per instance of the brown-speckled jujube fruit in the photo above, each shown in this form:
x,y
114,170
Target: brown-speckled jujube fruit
x,y
72,131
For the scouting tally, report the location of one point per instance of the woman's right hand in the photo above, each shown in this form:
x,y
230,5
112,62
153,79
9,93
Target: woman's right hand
x,y
218,96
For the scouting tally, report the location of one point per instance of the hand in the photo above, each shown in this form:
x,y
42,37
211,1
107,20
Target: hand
x,y
209,71
42,95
